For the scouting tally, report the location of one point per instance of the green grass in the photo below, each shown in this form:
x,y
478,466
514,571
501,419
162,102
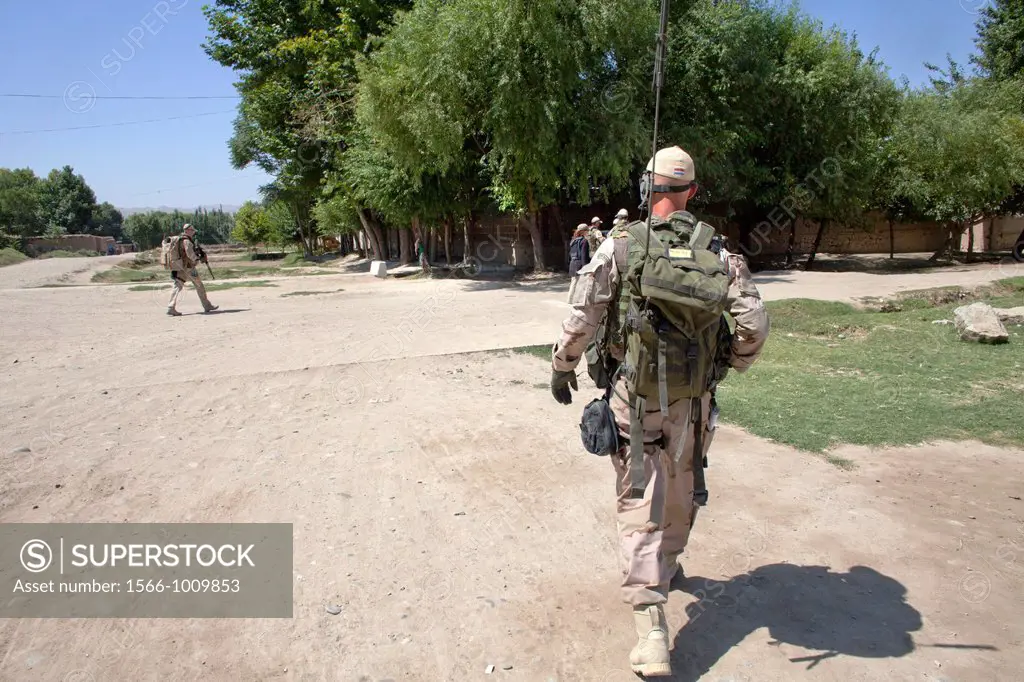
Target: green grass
x,y
221,286
60,253
542,352
10,256
123,275
832,374
210,286
310,293
142,272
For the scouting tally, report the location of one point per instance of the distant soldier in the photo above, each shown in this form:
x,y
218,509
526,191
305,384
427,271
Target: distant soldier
x,y
181,258
595,237
621,218
579,249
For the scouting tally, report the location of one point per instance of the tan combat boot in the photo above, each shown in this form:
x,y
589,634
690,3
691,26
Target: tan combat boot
x,y
650,656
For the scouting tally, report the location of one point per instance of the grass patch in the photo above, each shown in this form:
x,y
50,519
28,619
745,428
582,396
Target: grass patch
x,y
310,293
11,256
221,286
834,374
149,287
61,253
542,352
210,286
123,275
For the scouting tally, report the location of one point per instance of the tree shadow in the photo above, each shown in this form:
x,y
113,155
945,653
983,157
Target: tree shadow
x,y
860,613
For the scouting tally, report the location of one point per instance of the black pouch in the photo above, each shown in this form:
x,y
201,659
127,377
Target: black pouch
x,y
598,430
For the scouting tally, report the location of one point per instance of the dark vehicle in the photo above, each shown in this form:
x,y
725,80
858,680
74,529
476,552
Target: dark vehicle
x,y
1018,249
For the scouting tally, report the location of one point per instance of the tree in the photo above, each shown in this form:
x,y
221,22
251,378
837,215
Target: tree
x,y
252,226
959,155
1000,40
66,202
768,102
20,202
521,87
106,221
298,79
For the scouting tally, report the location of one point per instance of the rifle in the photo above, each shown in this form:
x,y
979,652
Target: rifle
x,y
204,259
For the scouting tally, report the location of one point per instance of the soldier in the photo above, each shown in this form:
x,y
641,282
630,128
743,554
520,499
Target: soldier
x,y
183,260
595,237
621,218
655,510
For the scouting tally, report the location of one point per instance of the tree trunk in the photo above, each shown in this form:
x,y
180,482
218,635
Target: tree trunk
x,y
432,252
792,240
465,238
535,236
373,234
403,237
817,243
556,223
447,241
970,242
892,240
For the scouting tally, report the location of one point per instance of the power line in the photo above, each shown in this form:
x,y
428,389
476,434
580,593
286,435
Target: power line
x,y
114,125
33,96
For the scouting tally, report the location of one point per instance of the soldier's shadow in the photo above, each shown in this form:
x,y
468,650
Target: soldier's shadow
x,y
860,613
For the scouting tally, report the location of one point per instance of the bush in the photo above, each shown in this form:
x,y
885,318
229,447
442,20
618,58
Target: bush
x,y
9,256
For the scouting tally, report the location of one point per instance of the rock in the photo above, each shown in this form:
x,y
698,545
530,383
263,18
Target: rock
x,y
978,322
333,609
490,669
23,448
1010,315
942,321
379,268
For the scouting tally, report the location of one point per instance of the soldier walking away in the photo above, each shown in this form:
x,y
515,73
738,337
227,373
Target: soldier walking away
x,y
669,312
595,237
180,255
579,249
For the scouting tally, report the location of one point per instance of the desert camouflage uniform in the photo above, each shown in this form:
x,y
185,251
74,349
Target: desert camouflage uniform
x,y
184,260
654,531
595,238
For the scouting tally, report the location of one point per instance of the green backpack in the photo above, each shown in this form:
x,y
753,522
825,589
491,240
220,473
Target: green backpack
x,y
672,321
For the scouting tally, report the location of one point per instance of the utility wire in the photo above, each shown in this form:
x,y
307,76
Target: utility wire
x,y
113,125
124,97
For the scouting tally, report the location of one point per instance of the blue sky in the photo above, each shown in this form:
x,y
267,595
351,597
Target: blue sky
x,y
71,50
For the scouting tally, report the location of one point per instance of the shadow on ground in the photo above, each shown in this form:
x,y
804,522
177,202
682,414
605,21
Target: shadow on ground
x,y
861,613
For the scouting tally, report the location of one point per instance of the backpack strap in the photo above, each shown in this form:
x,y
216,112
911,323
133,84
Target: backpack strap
x,y
637,482
700,490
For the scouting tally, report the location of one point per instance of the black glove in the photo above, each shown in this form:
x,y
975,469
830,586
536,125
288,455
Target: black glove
x,y
560,382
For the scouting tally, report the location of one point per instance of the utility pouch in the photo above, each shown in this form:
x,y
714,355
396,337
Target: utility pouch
x,y
598,430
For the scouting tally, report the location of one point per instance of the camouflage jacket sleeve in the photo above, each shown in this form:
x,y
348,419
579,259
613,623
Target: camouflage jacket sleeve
x,y
747,308
191,257
590,294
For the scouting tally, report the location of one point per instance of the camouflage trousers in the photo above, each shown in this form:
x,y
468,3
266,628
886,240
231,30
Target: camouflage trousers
x,y
181,277
654,531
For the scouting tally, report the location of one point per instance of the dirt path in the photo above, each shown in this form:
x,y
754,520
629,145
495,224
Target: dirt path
x,y
444,501
51,271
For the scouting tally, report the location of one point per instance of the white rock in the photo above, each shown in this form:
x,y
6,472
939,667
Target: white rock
x,y
978,322
379,268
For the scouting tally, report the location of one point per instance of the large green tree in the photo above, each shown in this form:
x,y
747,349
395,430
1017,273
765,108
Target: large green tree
x,y
780,114
66,202
957,156
297,80
1000,40
522,87
20,202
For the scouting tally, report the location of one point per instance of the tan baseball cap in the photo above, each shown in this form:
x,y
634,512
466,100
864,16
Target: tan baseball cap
x,y
674,163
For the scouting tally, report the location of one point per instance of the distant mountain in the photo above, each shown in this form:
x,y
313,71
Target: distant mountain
x,y
227,208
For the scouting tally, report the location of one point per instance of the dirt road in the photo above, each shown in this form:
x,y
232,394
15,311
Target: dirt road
x,y
440,497
55,271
